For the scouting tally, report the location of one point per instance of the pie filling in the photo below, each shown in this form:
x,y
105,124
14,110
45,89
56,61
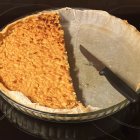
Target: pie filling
x,y
33,60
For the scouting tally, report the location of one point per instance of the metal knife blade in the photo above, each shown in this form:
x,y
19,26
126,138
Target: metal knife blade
x,y
92,59
114,80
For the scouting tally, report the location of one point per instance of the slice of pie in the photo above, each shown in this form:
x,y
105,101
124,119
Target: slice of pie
x,y
33,61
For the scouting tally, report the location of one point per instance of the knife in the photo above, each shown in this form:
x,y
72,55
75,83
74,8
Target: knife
x,y
114,80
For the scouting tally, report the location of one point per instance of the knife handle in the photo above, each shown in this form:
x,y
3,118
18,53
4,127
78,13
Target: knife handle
x,y
120,85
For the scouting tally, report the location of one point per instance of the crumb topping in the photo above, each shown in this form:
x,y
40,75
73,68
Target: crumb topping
x,y
33,60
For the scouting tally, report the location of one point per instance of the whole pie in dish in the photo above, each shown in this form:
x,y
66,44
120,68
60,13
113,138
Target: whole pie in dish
x,y
34,66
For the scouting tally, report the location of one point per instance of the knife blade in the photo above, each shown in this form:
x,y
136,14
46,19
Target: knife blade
x,y
114,80
92,59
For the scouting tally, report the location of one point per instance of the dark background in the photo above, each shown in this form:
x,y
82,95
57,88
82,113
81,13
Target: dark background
x,y
93,4
121,8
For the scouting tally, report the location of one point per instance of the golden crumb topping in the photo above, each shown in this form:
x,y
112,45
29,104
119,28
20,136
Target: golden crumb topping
x,y
33,61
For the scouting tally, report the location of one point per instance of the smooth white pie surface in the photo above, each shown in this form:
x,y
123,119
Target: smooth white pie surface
x,y
113,41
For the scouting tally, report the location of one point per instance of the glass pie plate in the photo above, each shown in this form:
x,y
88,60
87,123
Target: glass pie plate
x,y
95,29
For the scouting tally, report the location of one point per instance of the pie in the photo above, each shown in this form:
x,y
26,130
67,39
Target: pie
x,y
34,65
34,70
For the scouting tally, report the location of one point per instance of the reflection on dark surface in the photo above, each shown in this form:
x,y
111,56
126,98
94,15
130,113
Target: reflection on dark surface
x,y
107,127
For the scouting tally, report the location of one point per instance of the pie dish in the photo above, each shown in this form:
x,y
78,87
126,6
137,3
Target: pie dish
x,y
109,38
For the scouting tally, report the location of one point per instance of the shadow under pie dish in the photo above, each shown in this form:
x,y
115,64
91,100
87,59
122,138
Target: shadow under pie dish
x,y
36,72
